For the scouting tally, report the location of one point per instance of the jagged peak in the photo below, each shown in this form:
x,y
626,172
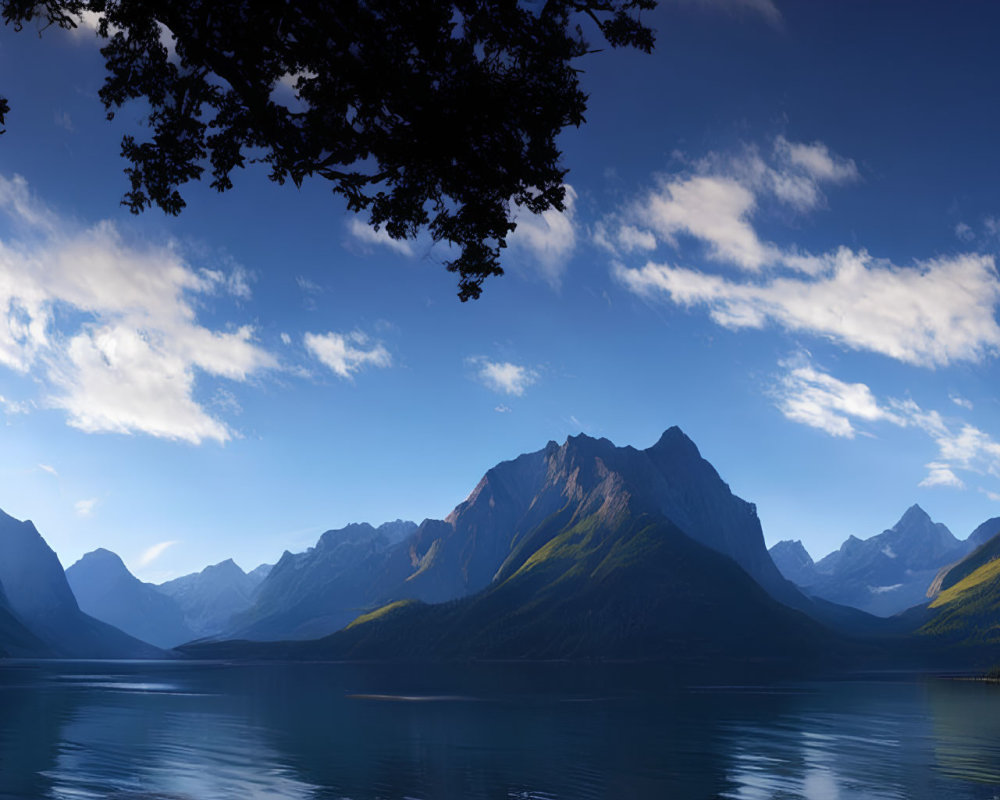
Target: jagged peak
x,y
912,515
673,437
791,547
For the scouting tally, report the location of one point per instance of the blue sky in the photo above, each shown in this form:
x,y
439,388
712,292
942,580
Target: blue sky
x,y
782,238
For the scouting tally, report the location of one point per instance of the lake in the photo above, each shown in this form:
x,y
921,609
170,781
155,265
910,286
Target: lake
x,y
179,730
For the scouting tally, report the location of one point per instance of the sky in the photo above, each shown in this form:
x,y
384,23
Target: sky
x,y
782,237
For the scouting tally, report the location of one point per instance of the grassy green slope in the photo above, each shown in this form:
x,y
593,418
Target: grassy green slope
x,y
968,611
979,557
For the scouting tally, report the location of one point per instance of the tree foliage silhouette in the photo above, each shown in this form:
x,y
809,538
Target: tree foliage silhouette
x,y
422,113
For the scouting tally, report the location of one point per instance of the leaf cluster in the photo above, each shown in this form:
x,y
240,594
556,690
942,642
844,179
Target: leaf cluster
x,y
423,114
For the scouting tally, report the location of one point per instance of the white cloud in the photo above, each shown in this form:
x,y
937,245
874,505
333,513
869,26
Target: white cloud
x,y
503,376
502,409
367,235
884,589
714,203
347,353
549,238
994,496
932,314
308,286
964,232
961,401
149,555
713,209
49,469
940,474
14,406
816,161
130,360
84,508
285,338
809,396
814,398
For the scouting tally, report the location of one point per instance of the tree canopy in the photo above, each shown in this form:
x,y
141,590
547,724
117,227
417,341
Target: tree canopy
x,y
424,114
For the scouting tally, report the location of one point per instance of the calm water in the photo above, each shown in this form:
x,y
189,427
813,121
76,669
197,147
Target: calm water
x,y
74,730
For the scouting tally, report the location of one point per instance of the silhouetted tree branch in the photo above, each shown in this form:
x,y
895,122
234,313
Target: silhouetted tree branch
x,y
421,113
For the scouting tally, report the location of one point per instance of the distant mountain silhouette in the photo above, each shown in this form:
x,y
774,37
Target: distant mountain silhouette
x,y
884,574
211,598
38,593
105,589
794,562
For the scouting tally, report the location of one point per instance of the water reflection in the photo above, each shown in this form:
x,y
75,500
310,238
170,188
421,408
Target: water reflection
x,y
878,741
189,731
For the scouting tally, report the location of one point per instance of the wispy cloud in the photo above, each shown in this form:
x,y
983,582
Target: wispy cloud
x,y
961,401
347,353
130,361
930,313
367,235
151,554
85,508
503,376
940,474
49,469
813,397
548,239
933,314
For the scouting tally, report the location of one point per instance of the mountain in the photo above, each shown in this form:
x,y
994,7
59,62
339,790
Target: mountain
x,y
515,509
310,594
887,573
105,589
794,562
211,598
611,584
39,595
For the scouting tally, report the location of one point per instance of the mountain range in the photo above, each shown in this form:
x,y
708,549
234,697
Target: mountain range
x,y
884,574
579,550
